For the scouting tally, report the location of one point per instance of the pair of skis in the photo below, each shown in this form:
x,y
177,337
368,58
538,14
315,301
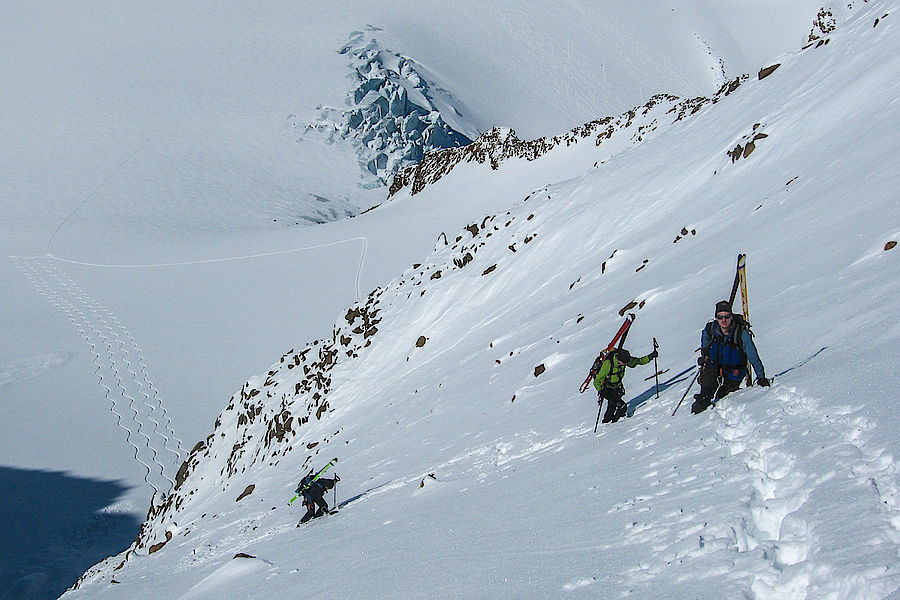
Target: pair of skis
x,y
617,341
740,281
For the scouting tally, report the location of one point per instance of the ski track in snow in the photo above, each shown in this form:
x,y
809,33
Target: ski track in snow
x,y
27,369
121,372
772,524
359,267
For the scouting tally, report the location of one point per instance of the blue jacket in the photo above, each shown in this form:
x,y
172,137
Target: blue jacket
x,y
731,354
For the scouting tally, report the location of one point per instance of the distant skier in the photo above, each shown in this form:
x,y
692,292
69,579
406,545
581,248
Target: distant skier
x,y
313,492
608,380
726,345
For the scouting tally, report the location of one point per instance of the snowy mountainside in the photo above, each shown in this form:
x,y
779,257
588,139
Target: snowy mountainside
x,y
467,460
184,120
501,144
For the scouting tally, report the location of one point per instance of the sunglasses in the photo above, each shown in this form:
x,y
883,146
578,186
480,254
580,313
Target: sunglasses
x,y
723,317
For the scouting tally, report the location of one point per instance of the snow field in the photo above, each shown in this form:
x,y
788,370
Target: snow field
x,y
748,499
468,473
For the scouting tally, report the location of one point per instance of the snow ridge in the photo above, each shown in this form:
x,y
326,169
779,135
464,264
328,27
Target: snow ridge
x,y
501,144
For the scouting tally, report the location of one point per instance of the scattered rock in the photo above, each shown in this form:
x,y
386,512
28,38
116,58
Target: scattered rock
x,y
890,245
421,341
749,148
462,262
242,555
539,370
157,547
763,73
247,491
684,232
823,24
627,307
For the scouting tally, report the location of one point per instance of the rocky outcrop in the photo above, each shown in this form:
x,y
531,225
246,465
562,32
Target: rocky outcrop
x,y
500,144
394,115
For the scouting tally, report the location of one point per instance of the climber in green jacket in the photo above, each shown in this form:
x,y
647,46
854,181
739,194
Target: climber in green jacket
x,y
608,380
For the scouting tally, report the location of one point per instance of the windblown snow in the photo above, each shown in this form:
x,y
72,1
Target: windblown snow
x,y
181,348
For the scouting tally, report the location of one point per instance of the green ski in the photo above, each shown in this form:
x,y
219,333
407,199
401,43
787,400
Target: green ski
x,y
316,476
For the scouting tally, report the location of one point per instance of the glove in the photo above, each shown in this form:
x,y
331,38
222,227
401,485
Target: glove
x,y
653,354
701,360
763,382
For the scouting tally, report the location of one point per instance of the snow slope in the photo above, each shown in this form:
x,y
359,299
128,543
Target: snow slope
x,y
153,171
468,463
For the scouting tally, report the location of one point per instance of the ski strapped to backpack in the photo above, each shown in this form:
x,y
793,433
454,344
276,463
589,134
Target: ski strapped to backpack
x,y
745,305
618,339
740,281
741,265
302,489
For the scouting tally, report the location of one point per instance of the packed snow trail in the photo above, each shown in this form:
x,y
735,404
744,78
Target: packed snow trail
x,y
758,526
788,557
121,372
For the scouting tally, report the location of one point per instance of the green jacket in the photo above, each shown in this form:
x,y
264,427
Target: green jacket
x,y
612,370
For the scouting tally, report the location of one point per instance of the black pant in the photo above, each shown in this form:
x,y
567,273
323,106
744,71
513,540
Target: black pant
x,y
615,406
310,503
710,387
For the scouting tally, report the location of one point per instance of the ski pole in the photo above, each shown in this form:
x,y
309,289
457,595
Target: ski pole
x,y
656,367
686,391
599,410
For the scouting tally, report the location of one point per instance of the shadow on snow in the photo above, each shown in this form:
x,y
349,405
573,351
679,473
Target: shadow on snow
x,y
53,527
634,403
637,401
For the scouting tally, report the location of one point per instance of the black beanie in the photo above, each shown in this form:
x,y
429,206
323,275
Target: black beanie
x,y
723,306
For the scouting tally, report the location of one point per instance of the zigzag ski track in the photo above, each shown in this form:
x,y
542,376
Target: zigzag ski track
x,y
121,372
